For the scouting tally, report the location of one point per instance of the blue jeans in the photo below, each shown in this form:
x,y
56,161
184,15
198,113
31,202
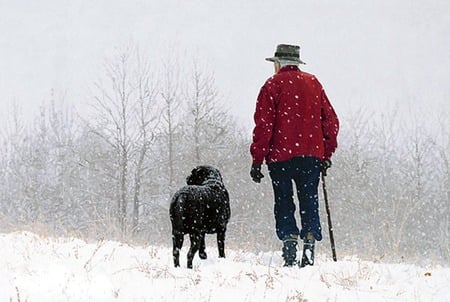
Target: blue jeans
x,y
305,172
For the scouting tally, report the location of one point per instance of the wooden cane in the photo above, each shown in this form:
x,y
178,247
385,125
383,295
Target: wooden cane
x,y
327,207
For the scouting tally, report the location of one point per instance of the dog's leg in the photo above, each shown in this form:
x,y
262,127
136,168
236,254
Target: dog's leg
x,y
195,244
221,243
202,252
177,245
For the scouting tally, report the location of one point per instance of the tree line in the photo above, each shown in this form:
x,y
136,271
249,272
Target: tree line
x,y
110,172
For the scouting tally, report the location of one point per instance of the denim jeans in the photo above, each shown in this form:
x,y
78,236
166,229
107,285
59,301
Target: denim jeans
x,y
305,172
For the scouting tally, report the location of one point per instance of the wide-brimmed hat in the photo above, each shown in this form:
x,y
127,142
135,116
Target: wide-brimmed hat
x,y
286,52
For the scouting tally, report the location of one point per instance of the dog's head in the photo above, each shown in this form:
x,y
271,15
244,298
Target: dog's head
x,y
202,174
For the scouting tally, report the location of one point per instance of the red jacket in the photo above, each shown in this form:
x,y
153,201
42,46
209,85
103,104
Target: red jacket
x,y
293,117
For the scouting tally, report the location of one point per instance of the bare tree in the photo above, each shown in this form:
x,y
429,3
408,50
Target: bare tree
x,y
441,144
209,128
170,93
124,115
146,116
202,102
14,138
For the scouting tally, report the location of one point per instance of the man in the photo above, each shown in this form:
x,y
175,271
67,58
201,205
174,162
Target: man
x,y
295,133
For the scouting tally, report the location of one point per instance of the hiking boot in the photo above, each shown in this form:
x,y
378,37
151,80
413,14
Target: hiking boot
x,y
308,250
290,250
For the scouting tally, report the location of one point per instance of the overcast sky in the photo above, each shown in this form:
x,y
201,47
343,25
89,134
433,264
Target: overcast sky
x,y
365,53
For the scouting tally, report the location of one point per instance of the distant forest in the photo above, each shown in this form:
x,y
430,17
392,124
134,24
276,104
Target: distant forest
x,y
110,173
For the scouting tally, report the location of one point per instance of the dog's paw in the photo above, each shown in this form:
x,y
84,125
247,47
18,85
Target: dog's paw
x,y
203,255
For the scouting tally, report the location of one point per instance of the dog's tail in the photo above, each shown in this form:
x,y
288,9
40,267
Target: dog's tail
x,y
177,209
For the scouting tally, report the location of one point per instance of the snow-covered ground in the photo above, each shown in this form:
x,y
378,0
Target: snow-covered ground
x,y
35,268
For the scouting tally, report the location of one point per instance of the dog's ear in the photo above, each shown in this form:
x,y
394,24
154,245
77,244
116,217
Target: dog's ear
x,y
215,174
193,179
219,176
190,180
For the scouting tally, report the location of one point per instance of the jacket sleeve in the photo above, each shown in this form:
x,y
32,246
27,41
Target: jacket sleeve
x,y
264,118
330,126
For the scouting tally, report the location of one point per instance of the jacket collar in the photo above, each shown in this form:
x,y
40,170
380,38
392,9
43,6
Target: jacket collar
x,y
289,68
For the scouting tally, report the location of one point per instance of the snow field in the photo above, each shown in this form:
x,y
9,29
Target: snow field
x,y
37,268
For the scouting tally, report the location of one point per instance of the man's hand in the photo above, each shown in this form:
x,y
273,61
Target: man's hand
x,y
326,163
255,173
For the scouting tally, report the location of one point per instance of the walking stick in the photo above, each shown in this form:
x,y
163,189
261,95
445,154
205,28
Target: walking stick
x,y
327,207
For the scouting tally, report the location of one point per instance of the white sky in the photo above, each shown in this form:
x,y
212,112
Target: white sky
x,y
369,53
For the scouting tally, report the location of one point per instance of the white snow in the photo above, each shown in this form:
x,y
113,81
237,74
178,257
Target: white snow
x,y
37,268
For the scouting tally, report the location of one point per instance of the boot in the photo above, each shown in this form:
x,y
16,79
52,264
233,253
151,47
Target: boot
x,y
308,250
290,250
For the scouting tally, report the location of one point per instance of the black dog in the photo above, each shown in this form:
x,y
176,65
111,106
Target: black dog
x,y
202,207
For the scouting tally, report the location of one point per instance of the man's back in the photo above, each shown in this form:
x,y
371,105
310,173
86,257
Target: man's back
x,y
289,116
